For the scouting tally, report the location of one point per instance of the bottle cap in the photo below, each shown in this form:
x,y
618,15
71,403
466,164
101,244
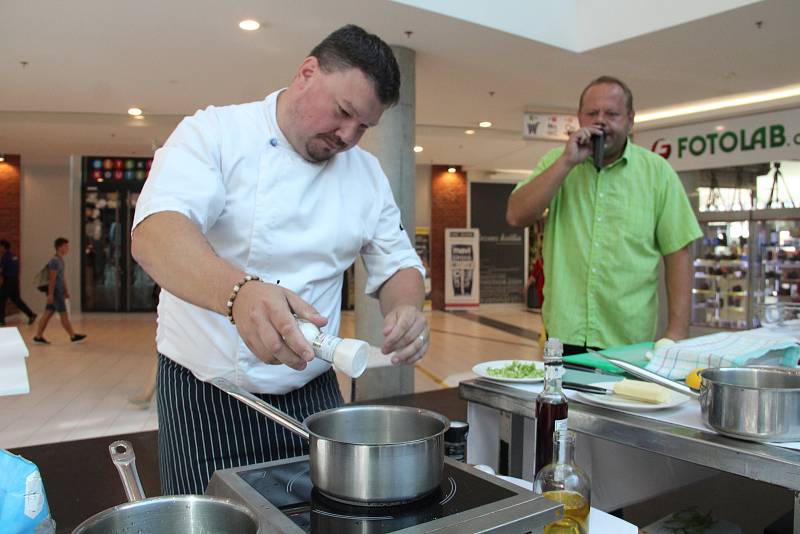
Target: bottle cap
x,y
457,432
553,348
350,357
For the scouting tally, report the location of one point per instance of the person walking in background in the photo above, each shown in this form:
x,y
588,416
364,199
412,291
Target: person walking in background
x,y
9,289
57,295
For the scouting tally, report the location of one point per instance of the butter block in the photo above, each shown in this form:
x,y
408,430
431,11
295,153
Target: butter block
x,y
641,391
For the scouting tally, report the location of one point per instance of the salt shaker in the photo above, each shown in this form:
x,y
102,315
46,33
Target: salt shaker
x,y
455,440
345,354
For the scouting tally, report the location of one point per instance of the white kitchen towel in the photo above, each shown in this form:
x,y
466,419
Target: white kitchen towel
x,y
725,349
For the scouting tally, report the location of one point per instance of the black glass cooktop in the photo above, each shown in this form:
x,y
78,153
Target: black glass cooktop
x,y
288,487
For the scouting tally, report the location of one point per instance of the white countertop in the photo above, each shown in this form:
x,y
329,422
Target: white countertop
x,y
13,372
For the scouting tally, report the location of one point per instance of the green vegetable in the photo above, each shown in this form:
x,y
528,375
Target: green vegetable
x,y
516,369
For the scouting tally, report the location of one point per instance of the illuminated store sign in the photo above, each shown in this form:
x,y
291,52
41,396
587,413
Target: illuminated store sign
x,y
737,141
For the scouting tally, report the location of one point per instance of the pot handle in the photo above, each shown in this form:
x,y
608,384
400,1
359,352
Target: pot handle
x,y
649,376
260,406
125,462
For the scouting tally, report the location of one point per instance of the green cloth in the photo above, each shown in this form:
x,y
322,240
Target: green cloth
x,y
604,237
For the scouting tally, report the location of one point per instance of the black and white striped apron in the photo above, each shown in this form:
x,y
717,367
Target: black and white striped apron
x,y
201,429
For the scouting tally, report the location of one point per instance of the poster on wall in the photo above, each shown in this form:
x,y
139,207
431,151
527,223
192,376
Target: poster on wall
x,y
422,243
461,274
503,255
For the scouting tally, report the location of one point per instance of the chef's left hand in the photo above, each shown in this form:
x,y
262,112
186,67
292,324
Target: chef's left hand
x,y
405,333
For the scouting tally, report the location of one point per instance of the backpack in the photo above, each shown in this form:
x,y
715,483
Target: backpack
x,y
42,279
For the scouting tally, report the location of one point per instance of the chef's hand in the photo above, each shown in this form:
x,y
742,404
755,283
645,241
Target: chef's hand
x,y
579,145
265,321
405,333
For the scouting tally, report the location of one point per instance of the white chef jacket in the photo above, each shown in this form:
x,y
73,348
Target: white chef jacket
x,y
265,209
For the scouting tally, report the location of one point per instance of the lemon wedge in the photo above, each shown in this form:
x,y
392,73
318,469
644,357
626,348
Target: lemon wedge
x,y
693,378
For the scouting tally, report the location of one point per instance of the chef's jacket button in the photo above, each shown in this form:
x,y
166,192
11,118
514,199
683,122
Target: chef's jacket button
x,y
599,219
600,195
273,141
594,270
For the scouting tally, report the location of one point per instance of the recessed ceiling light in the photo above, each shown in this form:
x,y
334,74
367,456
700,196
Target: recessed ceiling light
x,y
418,148
451,170
135,112
469,132
250,25
485,124
719,128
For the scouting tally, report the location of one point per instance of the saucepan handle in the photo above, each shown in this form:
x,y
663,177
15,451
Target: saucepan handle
x,y
649,376
260,406
125,462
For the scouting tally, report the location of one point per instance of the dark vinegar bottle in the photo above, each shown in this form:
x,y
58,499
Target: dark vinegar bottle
x,y
551,404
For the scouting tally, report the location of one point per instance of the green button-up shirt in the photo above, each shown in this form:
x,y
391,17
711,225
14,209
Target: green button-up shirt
x,y
604,236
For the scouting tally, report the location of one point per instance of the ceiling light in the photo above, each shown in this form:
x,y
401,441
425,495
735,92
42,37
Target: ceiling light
x,y
451,170
418,148
139,117
720,128
485,124
469,132
250,25
720,103
135,112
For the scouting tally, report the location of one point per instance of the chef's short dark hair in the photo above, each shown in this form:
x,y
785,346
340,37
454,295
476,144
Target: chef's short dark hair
x,y
352,47
60,241
610,80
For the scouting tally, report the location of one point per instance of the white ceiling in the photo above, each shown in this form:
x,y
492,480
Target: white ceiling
x,y
577,25
88,61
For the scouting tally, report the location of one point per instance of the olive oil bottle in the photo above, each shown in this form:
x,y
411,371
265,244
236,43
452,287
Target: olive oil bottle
x,y
563,481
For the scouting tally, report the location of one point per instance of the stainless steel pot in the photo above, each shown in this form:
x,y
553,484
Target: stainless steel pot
x,y
180,514
752,403
368,455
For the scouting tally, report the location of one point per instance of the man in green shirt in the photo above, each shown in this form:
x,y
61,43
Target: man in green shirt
x,y
607,229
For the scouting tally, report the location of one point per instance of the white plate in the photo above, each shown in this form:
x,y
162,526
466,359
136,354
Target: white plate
x,y
482,370
613,401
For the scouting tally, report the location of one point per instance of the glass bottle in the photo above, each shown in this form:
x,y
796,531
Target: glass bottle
x,y
551,404
565,482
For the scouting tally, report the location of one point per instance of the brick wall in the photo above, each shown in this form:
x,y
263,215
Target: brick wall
x,y
10,207
448,210
10,201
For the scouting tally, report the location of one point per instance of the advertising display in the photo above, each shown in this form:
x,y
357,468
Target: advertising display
x,y
461,274
503,255
756,138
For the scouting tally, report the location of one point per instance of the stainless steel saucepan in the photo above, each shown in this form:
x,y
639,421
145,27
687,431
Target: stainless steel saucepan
x,y
366,455
751,403
176,514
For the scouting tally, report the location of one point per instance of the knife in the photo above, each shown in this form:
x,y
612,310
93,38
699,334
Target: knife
x,y
586,388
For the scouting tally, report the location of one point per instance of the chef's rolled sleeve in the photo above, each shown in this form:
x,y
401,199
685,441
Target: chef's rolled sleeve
x,y
389,250
185,176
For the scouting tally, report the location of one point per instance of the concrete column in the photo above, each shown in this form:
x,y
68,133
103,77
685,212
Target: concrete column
x,y
392,142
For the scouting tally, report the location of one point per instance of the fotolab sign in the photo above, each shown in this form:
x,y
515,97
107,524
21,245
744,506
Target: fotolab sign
x,y
737,141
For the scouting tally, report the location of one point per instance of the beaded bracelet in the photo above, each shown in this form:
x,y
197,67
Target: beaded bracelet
x,y
235,293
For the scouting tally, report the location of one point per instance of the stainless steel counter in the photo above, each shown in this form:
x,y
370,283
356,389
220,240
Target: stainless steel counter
x,y
763,462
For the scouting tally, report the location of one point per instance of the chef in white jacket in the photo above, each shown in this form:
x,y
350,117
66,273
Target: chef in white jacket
x,y
251,214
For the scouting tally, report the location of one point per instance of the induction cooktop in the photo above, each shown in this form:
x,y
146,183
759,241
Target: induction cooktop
x,y
467,500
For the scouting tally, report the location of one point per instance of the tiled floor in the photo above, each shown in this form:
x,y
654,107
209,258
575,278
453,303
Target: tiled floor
x,y
83,391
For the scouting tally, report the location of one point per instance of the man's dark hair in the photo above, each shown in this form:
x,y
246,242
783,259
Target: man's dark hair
x,y
352,47
60,241
5,244
611,81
